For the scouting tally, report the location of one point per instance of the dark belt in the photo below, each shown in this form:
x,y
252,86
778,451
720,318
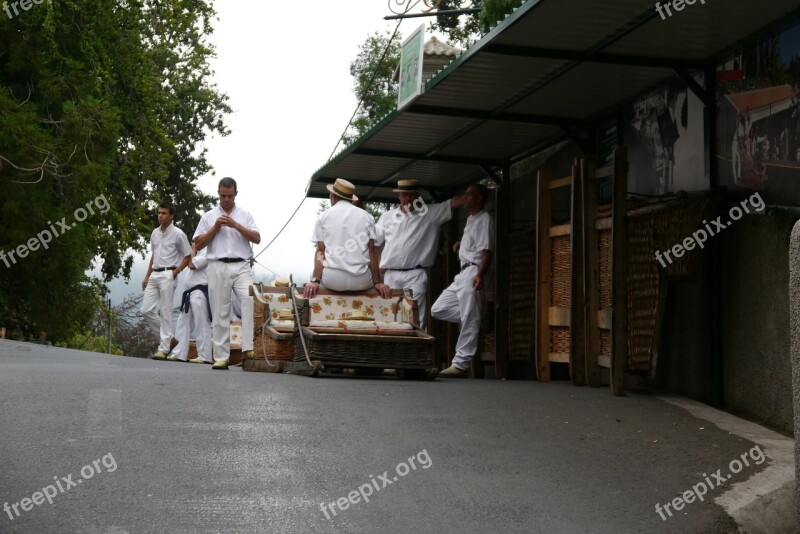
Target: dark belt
x,y
470,264
409,269
231,260
162,269
186,306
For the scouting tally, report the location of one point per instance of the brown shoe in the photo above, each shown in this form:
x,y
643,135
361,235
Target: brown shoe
x,y
453,372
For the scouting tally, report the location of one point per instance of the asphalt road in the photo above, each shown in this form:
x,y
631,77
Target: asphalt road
x,y
169,447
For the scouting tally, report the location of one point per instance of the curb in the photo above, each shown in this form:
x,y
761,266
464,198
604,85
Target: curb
x,y
765,502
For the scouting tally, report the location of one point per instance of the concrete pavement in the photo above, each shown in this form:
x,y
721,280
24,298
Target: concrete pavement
x,y
203,451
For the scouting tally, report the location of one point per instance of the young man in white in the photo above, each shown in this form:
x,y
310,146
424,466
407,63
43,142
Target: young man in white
x,y
170,255
460,302
346,259
409,234
195,313
227,231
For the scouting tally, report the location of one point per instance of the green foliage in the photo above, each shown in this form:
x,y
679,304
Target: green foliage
x,y
91,343
372,71
493,11
97,98
464,29
460,30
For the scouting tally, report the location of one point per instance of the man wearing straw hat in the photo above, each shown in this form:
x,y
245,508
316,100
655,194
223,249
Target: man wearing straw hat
x,y
227,231
460,302
410,233
345,259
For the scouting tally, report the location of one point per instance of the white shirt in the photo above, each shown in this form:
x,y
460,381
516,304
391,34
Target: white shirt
x,y
228,242
346,231
411,238
169,247
197,277
478,236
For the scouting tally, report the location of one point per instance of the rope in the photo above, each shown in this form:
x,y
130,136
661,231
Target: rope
x,y
297,322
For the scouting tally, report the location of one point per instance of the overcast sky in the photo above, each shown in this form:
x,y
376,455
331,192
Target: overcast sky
x,y
285,67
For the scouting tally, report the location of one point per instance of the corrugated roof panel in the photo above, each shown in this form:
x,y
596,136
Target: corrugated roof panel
x,y
500,140
590,88
699,31
489,81
572,25
416,133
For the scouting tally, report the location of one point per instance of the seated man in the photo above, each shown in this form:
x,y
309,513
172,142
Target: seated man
x,y
460,302
345,259
195,313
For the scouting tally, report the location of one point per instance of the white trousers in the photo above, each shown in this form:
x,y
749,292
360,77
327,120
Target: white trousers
x,y
198,320
339,280
158,301
461,303
224,278
415,280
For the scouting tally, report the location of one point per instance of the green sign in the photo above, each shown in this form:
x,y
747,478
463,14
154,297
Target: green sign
x,y
411,67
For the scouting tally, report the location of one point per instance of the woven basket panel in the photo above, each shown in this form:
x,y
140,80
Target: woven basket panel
x,y
643,293
605,343
562,272
604,240
523,294
391,354
559,339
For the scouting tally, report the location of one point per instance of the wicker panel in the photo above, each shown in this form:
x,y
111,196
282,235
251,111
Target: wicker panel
x,y
643,293
489,343
605,343
280,347
383,351
604,240
562,272
559,339
523,294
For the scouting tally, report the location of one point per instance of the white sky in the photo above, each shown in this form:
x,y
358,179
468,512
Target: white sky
x,y
285,67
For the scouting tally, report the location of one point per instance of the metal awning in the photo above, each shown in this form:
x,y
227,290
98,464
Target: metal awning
x,y
546,71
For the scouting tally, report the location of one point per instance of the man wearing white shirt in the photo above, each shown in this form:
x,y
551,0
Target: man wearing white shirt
x,y
227,232
410,233
346,259
460,302
170,254
195,313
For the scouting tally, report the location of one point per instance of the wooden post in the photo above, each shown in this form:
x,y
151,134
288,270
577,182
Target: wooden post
x,y
577,344
3,332
591,271
544,276
502,269
619,271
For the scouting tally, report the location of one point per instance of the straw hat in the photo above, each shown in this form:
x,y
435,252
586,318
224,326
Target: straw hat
x,y
285,315
342,189
357,315
407,186
280,282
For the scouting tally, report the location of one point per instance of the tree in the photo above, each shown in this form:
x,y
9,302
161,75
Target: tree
x,y
465,29
373,84
97,98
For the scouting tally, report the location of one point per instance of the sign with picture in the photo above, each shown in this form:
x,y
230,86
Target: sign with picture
x,y
411,56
